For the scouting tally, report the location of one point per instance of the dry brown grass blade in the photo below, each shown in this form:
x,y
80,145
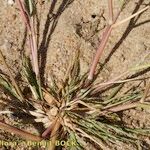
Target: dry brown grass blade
x,y
49,98
24,16
11,76
130,17
147,89
21,133
123,107
54,134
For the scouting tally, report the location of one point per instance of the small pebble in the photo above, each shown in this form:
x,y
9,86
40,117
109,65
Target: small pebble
x,y
10,2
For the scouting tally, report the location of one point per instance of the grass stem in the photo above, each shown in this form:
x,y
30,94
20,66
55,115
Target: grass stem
x,y
21,133
130,17
29,22
111,13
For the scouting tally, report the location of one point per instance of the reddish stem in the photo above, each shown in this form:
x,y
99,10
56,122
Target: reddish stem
x,y
99,51
24,16
29,21
111,13
103,43
21,133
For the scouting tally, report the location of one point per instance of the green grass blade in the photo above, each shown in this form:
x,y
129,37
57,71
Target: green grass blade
x,y
31,78
6,85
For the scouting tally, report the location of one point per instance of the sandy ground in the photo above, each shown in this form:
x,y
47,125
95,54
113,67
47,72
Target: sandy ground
x,y
65,26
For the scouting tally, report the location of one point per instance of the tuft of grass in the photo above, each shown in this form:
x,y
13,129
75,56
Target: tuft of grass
x,y
70,111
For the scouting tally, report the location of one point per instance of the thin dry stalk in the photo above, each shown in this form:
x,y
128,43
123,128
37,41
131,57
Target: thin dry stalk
x,y
24,15
111,13
35,49
123,107
120,81
88,106
147,89
98,87
129,18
